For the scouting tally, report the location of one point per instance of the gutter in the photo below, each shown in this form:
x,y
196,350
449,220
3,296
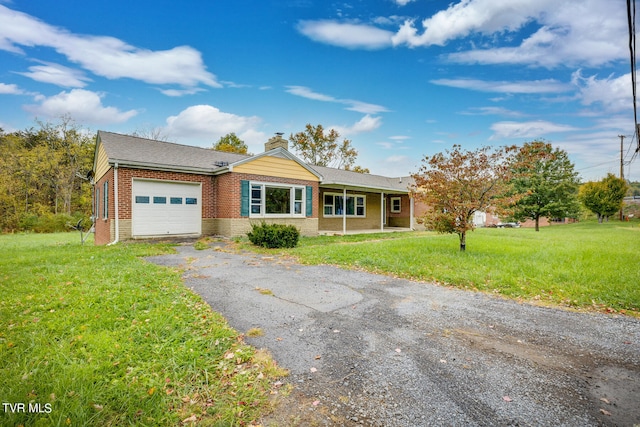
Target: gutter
x,y
115,202
364,187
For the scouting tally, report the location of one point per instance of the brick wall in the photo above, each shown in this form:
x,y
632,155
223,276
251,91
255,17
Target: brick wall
x,y
232,227
402,218
227,192
103,233
220,199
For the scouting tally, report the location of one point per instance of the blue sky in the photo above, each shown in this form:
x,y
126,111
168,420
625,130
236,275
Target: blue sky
x,y
401,79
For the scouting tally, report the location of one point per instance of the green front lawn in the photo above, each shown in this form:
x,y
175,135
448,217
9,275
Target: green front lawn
x,y
584,265
95,336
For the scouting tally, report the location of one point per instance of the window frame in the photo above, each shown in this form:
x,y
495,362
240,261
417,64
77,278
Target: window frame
x,y
258,194
358,203
97,202
105,200
393,200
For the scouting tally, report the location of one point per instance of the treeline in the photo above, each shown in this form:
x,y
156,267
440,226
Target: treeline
x,y
44,183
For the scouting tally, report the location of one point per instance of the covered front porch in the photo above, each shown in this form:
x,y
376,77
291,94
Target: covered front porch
x,y
357,210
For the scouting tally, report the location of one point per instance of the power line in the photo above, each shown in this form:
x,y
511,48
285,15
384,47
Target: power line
x,y
599,164
631,18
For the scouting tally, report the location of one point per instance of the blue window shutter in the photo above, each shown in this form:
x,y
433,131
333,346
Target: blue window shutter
x,y
244,198
309,200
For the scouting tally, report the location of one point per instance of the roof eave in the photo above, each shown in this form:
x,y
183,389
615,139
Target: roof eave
x,y
367,187
160,167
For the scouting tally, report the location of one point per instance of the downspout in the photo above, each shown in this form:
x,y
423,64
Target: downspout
x,y
115,203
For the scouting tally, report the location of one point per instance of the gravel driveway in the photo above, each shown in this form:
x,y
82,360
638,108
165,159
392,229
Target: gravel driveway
x,y
367,349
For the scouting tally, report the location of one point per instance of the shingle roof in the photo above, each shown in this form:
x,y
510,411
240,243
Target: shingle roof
x,y
147,153
341,177
138,152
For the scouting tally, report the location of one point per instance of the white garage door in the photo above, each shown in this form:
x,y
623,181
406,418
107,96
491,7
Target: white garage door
x,y
162,208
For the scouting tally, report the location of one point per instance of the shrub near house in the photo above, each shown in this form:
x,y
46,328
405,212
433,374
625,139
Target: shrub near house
x,y
274,235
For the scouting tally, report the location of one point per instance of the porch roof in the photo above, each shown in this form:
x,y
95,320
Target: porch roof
x,y
340,178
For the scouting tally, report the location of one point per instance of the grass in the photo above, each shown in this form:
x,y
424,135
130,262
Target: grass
x,y
95,336
585,265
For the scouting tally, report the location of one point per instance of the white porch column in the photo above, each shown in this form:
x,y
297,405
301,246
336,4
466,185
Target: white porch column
x,y
344,211
382,211
411,212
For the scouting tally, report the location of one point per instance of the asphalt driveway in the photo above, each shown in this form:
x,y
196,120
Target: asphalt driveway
x,y
367,349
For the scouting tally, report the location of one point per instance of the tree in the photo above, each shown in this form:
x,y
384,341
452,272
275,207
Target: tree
x,y
604,198
230,143
149,132
456,184
43,173
358,169
318,148
634,189
546,182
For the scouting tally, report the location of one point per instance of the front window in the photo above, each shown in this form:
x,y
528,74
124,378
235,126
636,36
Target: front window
x,y
396,204
276,200
334,205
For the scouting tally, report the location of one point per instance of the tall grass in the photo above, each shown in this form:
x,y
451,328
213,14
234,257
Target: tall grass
x,y
580,265
95,336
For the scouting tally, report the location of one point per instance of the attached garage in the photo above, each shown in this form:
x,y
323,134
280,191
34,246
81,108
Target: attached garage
x,y
166,208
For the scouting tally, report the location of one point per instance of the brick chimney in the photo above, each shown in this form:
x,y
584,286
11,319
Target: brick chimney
x,y
275,142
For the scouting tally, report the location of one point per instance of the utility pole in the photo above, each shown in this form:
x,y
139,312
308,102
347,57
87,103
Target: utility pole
x,y
621,167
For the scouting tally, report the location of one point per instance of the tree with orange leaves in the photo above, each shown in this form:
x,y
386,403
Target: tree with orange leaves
x,y
457,183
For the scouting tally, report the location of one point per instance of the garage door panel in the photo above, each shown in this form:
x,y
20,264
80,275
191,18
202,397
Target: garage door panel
x,y
162,208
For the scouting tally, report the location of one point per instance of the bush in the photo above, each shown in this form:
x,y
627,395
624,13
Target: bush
x,y
274,235
49,223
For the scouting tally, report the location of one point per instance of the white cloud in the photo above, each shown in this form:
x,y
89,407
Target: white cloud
x,y
612,93
524,86
597,151
207,124
386,145
305,92
352,105
569,32
347,35
398,165
397,159
551,32
57,74
181,92
470,16
363,107
83,105
234,85
491,111
396,143
254,139
532,129
365,124
10,89
105,56
403,2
